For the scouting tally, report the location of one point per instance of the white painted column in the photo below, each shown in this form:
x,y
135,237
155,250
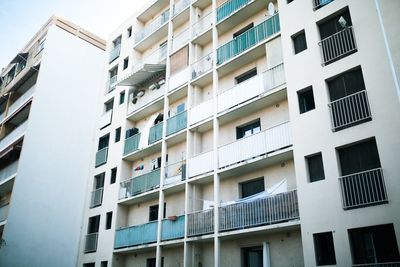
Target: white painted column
x,y
266,256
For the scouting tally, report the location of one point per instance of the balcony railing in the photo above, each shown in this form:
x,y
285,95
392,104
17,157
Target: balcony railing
x,y
267,210
180,39
201,111
180,6
148,99
91,242
200,222
154,58
173,227
96,198
202,66
4,212
380,264
18,103
200,163
202,25
101,156
131,144
262,143
105,119
140,184
175,172
350,110
155,133
152,27
14,134
363,188
8,171
320,3
136,235
114,53
338,45
112,83
248,39
229,7
177,123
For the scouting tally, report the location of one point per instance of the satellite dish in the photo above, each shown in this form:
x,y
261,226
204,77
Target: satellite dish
x,y
271,9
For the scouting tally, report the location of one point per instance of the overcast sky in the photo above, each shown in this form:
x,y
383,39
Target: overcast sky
x,y
21,19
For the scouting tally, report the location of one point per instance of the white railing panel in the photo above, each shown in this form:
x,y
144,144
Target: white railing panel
x,y
14,135
202,25
202,65
274,77
278,137
175,172
180,39
179,79
148,97
201,112
200,222
201,163
105,119
9,170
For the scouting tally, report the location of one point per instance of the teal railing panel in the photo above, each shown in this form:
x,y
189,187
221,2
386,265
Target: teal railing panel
x,y
101,156
173,229
136,235
155,133
229,7
131,144
177,123
145,182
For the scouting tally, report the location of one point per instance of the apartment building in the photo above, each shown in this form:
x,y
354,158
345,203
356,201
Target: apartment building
x,y
248,133
49,94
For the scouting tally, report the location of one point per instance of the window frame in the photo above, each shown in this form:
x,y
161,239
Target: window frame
x,y
303,106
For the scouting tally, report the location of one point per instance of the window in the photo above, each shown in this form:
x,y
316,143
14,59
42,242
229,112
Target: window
x,y
103,141
306,100
117,134
248,27
98,181
93,226
152,262
91,264
113,175
109,104
252,187
299,42
129,32
247,130
315,168
121,97
108,220
153,212
245,76
252,256
104,264
324,249
346,84
126,62
332,26
374,244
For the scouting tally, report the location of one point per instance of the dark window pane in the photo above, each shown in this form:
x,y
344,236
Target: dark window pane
x,y
315,168
299,42
92,264
103,141
93,226
117,134
306,100
252,187
122,97
113,175
109,105
324,249
126,62
248,129
247,75
104,264
153,212
346,84
99,181
333,26
248,27
108,220
253,256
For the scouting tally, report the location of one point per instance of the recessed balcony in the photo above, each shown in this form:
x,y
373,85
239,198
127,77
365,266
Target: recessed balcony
x,y
177,123
180,40
200,222
131,144
155,133
201,112
140,184
201,30
8,171
136,235
16,133
200,164
173,228
18,104
175,173
201,70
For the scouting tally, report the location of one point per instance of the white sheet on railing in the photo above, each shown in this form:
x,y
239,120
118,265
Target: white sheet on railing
x,y
144,133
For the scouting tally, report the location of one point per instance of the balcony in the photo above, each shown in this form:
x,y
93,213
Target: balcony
x,y
148,104
112,83
173,228
155,133
131,144
96,198
201,30
14,135
114,53
201,112
4,212
229,7
200,68
200,164
105,119
320,3
261,211
200,222
101,157
256,145
140,184
363,189
179,40
175,172
350,110
91,242
338,46
251,88
152,32
248,39
177,123
8,171
136,235
18,103
180,6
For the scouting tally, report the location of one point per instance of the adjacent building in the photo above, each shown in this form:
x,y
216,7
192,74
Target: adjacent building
x,y
49,94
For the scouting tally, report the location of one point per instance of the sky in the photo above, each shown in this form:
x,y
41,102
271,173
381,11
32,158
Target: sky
x,y
21,19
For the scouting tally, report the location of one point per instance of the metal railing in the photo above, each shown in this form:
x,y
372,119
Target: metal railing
x,y
201,111
268,210
114,53
4,212
378,264
19,102
101,156
177,123
274,77
267,141
173,227
91,242
202,65
112,83
202,25
200,222
131,144
152,27
140,184
248,39
363,188
136,235
155,133
349,110
320,3
96,198
175,172
12,136
200,163
229,7
180,6
155,57
180,39
8,170
338,45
